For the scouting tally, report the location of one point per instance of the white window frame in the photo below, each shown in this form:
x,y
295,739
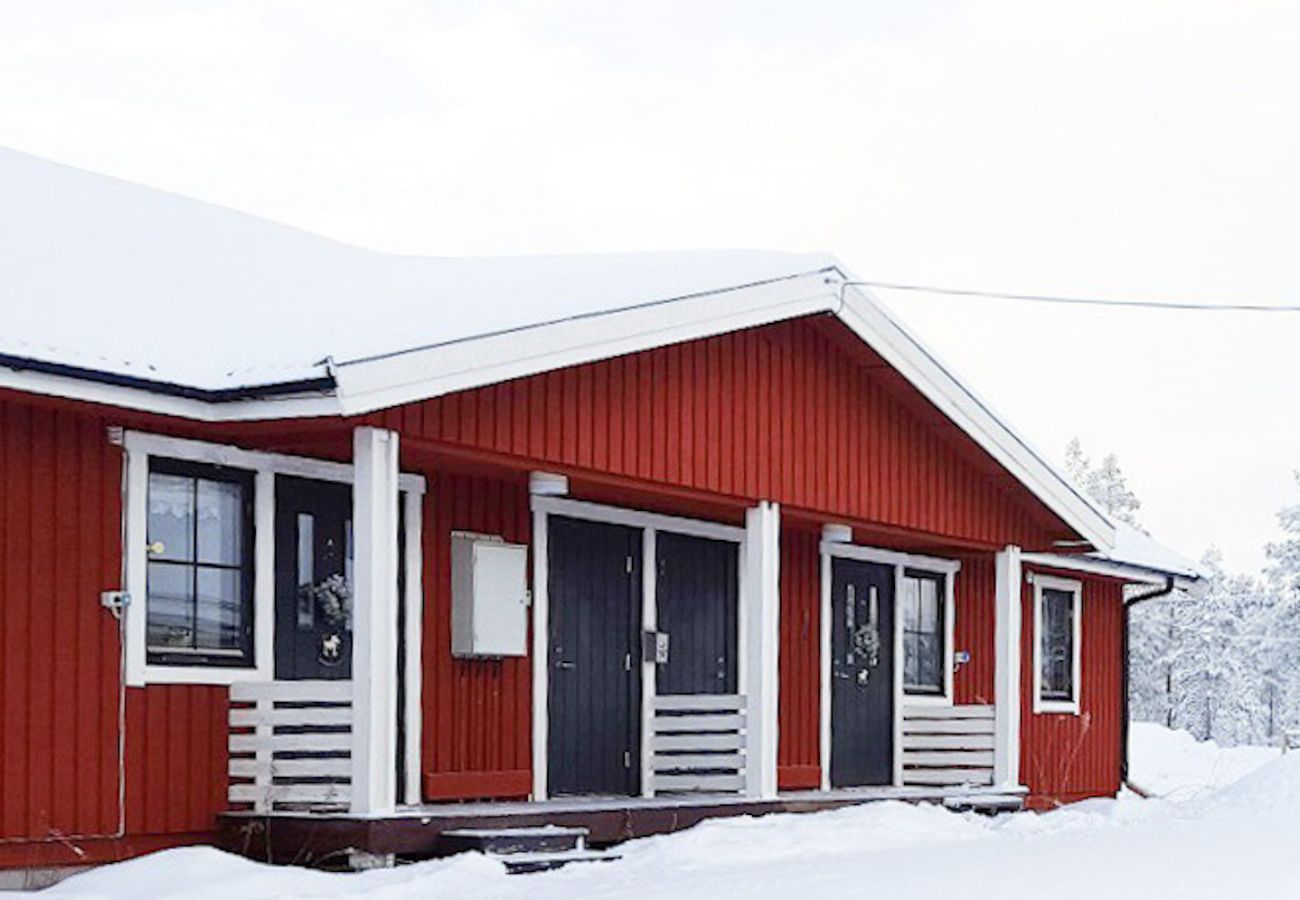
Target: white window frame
x,y
944,696
948,568
650,524
1075,589
139,448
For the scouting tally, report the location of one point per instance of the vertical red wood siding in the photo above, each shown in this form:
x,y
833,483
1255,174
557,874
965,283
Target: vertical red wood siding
x,y
60,527
1066,757
477,713
798,750
798,412
790,412
973,597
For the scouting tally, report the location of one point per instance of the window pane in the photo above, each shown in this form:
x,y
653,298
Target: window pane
x,y
911,615
221,522
220,614
929,605
929,663
170,606
1056,645
306,569
171,517
911,661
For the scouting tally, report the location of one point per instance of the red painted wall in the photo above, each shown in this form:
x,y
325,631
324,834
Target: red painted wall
x,y
974,594
798,412
60,526
477,713
798,753
1065,757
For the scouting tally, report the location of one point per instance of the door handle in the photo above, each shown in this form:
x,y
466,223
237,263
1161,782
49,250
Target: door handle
x,y
564,664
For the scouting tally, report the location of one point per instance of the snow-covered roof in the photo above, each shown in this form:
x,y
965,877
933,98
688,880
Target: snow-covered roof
x,y
1138,549
177,306
114,277
1135,556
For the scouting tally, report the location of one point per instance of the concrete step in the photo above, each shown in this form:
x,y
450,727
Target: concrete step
x,y
523,863
986,803
506,841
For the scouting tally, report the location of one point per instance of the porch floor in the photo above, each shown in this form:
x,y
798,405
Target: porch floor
x,y
327,838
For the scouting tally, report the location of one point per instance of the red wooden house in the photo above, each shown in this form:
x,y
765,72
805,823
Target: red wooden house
x,y
308,548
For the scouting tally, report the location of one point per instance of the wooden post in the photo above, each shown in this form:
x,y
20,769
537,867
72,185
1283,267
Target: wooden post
x,y
761,618
374,628
1006,673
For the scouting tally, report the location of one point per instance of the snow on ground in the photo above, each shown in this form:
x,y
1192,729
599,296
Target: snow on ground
x,y
1229,839
1174,765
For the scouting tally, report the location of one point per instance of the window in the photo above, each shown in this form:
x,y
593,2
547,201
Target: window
x,y
1056,649
199,578
924,632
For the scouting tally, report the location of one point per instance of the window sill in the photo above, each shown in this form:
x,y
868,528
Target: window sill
x,y
210,675
1057,707
925,698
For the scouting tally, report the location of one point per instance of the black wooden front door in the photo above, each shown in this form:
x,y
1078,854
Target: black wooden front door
x,y
696,597
862,673
594,693
313,579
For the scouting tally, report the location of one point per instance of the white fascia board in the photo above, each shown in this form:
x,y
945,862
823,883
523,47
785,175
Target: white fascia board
x,y
367,385
141,399
861,313
1092,566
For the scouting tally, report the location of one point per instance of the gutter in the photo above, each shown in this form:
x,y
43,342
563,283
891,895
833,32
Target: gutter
x,y
1154,594
171,389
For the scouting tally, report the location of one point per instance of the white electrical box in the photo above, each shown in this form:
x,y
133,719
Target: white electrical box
x,y
489,597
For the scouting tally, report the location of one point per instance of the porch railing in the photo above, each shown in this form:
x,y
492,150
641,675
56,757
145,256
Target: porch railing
x,y
291,744
698,744
947,745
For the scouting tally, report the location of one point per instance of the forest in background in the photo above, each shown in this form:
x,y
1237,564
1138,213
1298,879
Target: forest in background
x,y
1223,664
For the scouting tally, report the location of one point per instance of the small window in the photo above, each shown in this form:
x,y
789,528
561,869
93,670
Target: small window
x,y
924,633
199,587
1057,648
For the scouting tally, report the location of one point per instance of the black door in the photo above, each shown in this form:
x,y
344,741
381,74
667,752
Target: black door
x,y
696,595
862,673
594,592
313,579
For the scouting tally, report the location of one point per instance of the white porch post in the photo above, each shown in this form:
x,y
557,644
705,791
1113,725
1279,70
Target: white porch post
x,y
761,623
374,627
1006,673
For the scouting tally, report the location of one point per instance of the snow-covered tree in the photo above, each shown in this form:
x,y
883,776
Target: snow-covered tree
x,y
1104,483
1224,664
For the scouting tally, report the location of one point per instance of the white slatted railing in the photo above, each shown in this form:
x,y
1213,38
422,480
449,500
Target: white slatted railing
x,y
698,744
291,744
947,745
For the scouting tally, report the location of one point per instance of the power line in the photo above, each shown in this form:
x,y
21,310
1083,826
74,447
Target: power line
x,y
1079,301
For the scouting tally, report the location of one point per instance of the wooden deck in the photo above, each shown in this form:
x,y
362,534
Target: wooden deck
x,y
328,839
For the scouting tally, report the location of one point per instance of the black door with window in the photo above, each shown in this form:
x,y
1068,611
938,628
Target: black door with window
x,y
696,597
862,673
313,579
594,699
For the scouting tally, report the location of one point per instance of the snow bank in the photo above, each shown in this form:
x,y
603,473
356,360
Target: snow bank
x,y
1173,764
1218,842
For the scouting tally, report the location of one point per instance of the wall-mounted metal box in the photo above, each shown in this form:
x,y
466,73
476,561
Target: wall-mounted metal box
x,y
489,597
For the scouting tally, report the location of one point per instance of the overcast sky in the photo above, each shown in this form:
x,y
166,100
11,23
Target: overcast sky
x,y
1128,149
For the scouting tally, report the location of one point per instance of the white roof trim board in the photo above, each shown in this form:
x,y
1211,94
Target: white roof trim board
x,y
442,326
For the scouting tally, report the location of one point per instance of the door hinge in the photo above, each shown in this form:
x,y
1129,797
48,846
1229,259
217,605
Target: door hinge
x,y
627,662
630,564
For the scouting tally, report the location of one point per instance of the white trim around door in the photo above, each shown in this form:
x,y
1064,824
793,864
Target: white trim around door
x,y
901,562
650,524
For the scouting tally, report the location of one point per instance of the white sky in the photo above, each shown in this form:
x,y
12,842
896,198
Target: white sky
x,y
1133,149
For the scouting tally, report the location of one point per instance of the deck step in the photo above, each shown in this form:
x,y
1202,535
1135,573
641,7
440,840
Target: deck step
x,y
523,863
507,841
986,803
